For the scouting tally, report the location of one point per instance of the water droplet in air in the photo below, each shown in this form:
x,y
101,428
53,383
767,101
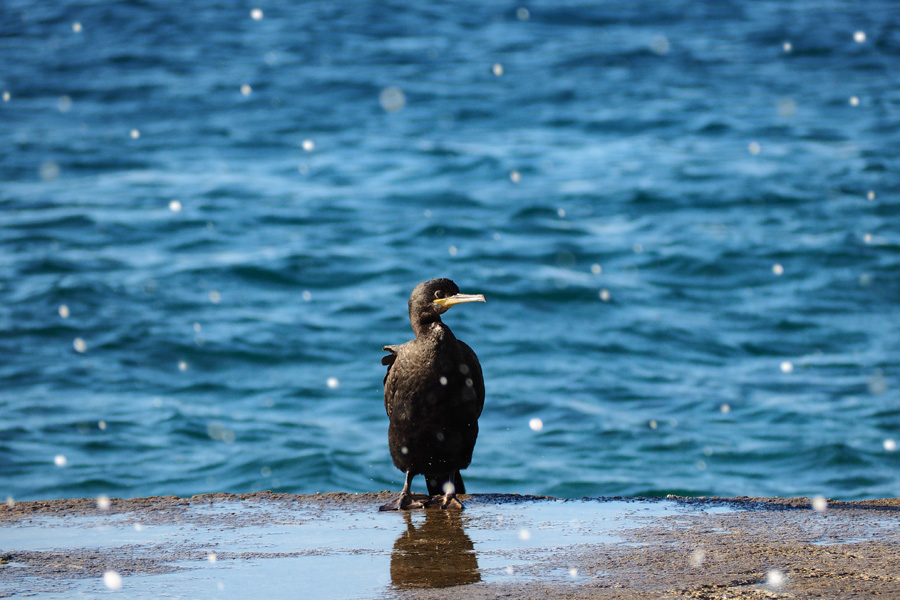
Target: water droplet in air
x,y
112,580
698,557
778,269
404,450
265,472
523,14
867,238
775,578
246,89
890,445
256,14
333,382
443,380
787,107
49,171
515,176
138,527
854,100
64,104
76,27
754,148
787,367
573,572
60,460
80,345
604,295
392,99
596,269
101,425
215,297
10,502
725,408
561,213
6,96
660,45
787,46
103,502
497,69
859,37
877,383
524,535
449,488
175,206
211,557
453,250
306,295
536,424
510,570
182,366
63,311
819,504
701,465
653,424
135,134
870,195
309,145
216,430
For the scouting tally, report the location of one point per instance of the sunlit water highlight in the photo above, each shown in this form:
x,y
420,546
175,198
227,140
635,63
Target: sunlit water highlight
x,y
687,235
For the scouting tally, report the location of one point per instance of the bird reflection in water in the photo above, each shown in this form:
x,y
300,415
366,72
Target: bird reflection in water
x,y
436,554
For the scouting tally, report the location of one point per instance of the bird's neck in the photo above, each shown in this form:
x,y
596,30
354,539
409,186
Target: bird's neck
x,y
430,327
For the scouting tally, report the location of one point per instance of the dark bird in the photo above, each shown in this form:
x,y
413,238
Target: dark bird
x,y
433,395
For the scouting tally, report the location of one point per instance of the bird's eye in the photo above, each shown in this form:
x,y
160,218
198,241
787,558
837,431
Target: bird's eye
x,y
439,294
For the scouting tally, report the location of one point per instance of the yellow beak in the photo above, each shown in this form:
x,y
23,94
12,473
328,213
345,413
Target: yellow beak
x,y
459,299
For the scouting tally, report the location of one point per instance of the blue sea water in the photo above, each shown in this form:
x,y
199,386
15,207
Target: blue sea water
x,y
684,216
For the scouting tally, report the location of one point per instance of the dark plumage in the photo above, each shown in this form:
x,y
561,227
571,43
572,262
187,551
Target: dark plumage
x,y
433,395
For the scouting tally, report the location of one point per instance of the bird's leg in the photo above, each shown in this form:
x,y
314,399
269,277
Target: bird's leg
x,y
450,499
406,500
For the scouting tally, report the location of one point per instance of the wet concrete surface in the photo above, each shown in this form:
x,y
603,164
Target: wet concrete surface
x,y
502,546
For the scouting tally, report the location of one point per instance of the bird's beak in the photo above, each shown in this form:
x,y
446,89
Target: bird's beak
x,y
458,299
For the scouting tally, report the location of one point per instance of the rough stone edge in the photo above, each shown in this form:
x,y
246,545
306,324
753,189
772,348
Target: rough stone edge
x,y
17,511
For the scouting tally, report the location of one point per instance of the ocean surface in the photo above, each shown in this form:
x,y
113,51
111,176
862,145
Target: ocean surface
x,y
685,217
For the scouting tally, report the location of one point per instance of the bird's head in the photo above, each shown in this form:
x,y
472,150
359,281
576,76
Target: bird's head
x,y
430,299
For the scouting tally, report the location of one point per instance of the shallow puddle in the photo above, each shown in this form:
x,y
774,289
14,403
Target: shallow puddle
x,y
241,549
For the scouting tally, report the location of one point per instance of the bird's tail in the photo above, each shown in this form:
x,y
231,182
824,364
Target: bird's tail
x,y
436,484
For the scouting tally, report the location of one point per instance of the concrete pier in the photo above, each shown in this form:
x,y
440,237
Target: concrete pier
x,y
336,545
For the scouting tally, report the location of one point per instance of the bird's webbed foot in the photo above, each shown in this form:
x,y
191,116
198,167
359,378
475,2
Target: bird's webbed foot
x,y
406,501
448,500
451,501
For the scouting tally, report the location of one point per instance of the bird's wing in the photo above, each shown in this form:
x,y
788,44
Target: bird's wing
x,y
470,359
388,360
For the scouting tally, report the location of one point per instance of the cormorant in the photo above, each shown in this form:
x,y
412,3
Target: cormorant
x,y
433,395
